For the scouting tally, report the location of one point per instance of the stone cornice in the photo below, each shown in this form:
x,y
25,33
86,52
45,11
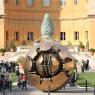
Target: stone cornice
x,y
33,10
2,16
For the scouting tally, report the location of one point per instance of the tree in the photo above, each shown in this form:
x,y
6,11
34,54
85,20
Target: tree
x,y
81,46
47,27
12,46
91,50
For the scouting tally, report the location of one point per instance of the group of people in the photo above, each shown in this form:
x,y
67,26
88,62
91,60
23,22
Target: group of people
x,y
21,78
7,66
22,82
74,77
5,82
84,67
6,69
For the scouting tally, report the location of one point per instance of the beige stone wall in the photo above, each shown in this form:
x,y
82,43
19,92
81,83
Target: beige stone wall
x,y
74,19
92,33
67,18
2,33
24,19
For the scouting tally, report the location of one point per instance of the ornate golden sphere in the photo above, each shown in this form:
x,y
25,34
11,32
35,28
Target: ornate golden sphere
x,y
48,65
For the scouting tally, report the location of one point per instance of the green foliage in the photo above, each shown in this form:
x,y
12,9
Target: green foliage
x,y
2,50
13,76
12,45
80,43
81,46
91,50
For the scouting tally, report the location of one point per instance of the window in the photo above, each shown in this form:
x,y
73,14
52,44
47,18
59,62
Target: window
x,y
76,35
7,35
7,39
6,1
30,36
86,35
16,2
29,2
16,36
46,2
62,2
62,36
76,2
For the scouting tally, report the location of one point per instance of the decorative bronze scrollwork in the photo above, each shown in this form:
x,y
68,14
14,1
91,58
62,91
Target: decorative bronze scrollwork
x,y
47,63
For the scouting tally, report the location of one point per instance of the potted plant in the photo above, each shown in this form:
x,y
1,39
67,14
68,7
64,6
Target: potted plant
x,y
12,46
2,51
69,44
91,50
81,47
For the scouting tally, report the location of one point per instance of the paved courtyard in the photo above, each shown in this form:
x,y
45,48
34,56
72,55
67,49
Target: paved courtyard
x,y
66,91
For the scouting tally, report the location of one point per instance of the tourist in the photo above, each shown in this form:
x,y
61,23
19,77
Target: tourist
x,y
73,79
85,64
24,81
17,72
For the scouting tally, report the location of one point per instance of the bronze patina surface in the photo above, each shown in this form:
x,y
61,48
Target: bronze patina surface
x,y
41,80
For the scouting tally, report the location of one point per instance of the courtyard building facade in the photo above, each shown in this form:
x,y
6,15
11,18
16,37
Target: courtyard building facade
x,y
73,21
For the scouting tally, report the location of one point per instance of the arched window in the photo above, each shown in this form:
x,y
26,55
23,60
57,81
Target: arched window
x,y
30,36
62,35
46,2
62,2
5,1
29,2
16,36
16,2
76,2
7,39
76,35
86,35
